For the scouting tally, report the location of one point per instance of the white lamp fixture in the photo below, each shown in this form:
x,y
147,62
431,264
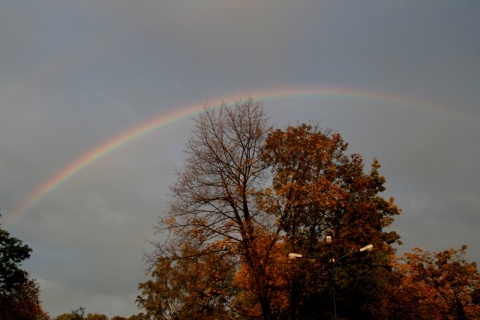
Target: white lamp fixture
x,y
367,248
293,256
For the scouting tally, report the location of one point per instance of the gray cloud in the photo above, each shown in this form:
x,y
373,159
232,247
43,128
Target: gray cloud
x,y
77,74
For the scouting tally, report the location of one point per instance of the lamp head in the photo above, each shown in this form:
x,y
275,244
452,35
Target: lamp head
x,y
293,256
328,240
367,248
328,236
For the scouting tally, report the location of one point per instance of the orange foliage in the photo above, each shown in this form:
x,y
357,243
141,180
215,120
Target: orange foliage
x,y
22,303
433,286
198,286
276,271
222,206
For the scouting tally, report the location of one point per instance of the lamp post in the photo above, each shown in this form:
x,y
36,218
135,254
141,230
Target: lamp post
x,y
332,261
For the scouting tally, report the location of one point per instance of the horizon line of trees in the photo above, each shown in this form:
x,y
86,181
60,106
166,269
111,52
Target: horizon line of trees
x,y
247,196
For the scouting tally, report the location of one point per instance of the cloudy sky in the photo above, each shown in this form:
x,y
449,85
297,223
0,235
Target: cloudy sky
x,y
84,178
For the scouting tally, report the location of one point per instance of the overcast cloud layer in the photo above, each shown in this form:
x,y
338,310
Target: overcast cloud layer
x,y
74,74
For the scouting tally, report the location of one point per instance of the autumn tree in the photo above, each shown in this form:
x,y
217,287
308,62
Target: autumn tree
x,y
198,286
440,285
77,314
65,316
317,187
96,316
22,302
140,316
248,195
213,207
245,303
19,293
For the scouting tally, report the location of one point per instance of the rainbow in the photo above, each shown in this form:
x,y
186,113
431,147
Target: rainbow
x,y
106,148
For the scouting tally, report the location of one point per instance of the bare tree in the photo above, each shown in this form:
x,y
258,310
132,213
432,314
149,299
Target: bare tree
x,y
213,207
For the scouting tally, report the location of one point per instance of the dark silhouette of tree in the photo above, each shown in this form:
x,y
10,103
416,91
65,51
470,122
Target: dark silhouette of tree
x,y
19,294
12,253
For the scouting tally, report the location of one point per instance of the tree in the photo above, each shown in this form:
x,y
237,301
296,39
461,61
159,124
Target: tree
x,y
140,316
22,303
12,253
213,207
246,197
19,294
199,287
317,187
65,316
245,304
96,316
78,314
433,286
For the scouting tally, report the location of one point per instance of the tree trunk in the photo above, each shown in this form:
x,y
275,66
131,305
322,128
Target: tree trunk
x,y
266,309
460,311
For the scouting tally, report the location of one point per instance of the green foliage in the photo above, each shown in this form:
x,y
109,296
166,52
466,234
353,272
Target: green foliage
x,y
19,294
12,253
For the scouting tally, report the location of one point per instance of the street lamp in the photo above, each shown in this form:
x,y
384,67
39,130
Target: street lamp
x,y
368,248
329,241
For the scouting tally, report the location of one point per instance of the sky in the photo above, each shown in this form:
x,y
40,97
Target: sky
x,y
97,96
